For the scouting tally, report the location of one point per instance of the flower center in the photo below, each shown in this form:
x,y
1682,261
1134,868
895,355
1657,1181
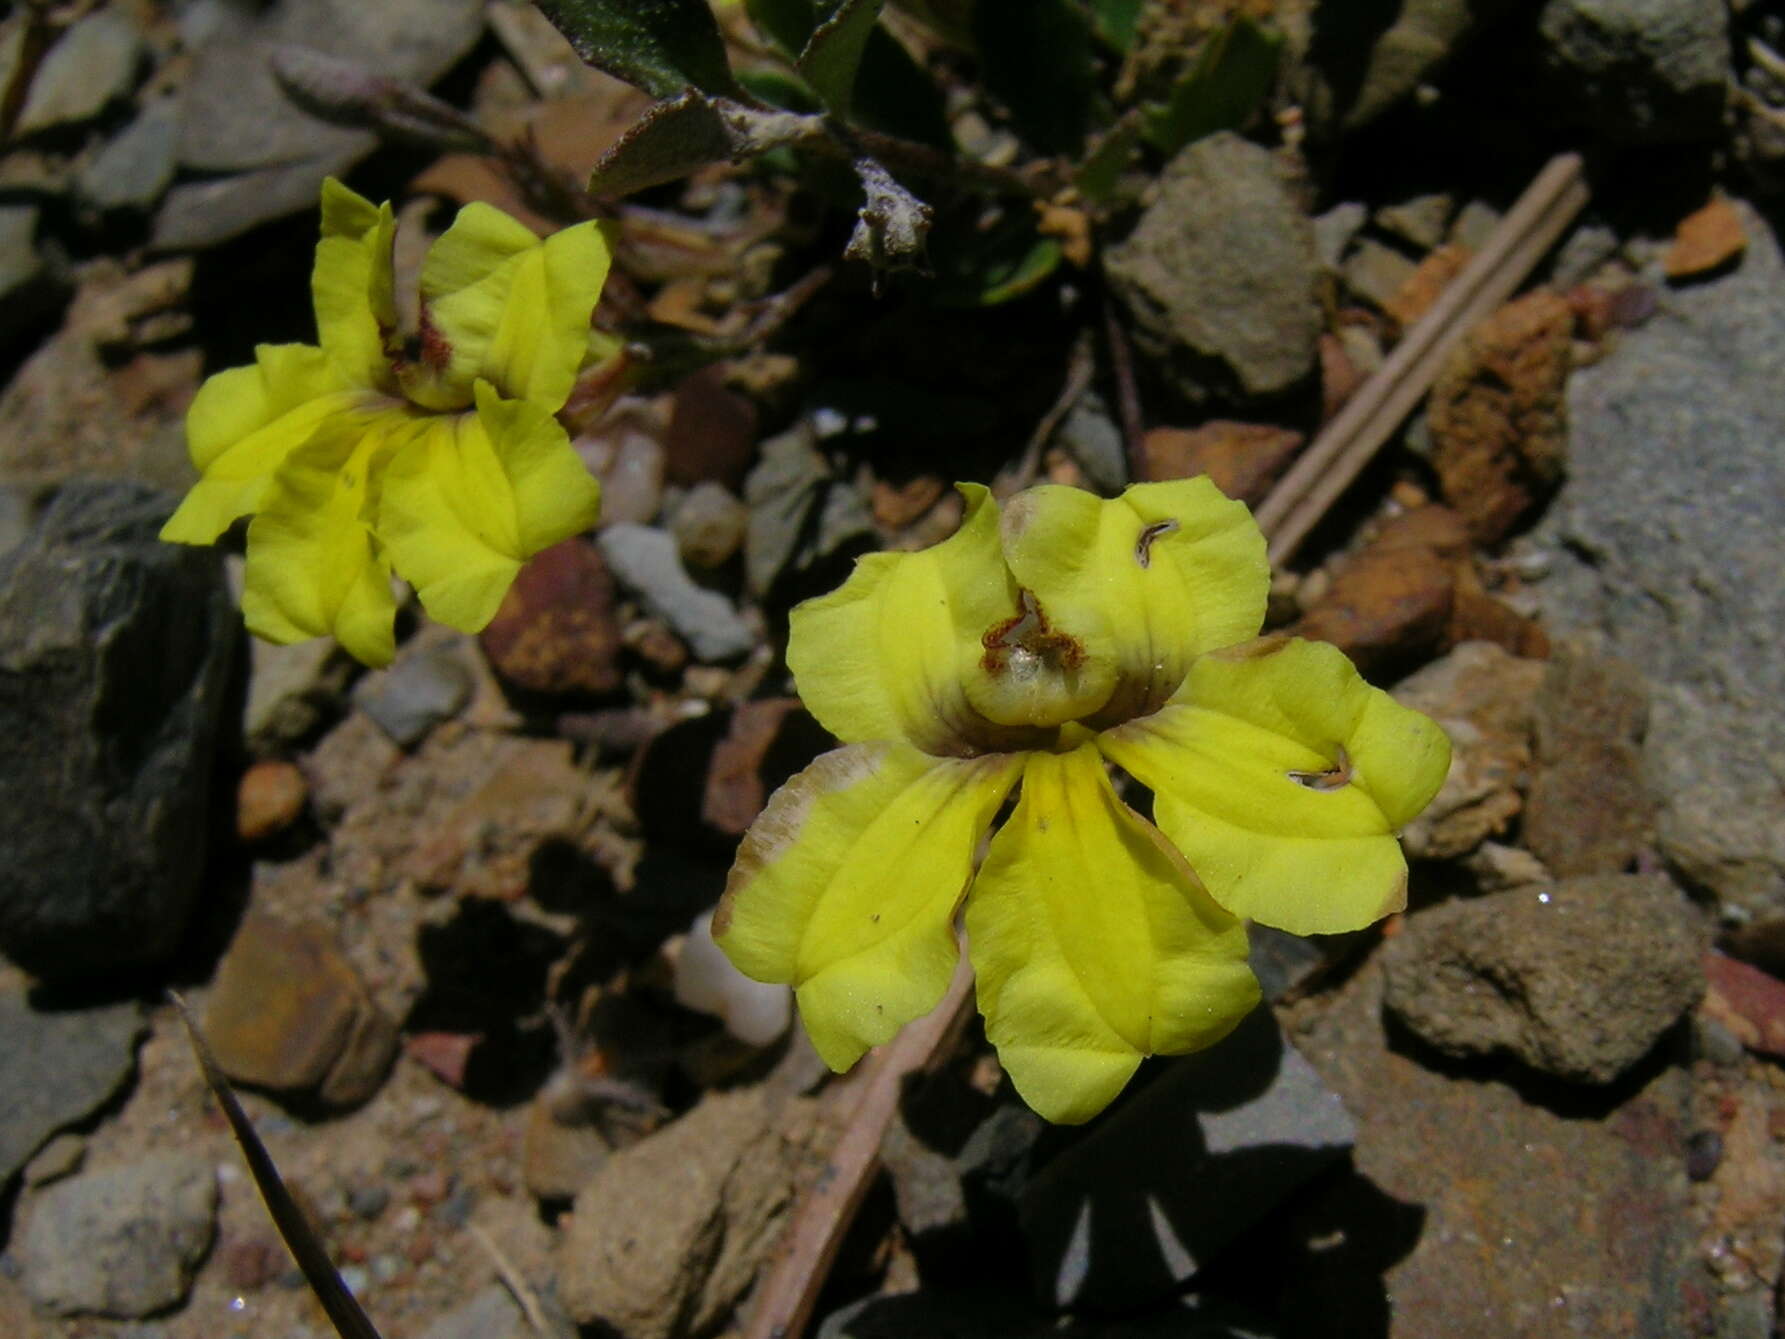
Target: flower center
x,y
1032,673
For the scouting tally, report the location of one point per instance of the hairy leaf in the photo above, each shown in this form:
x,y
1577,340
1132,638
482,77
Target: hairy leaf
x,y
1232,77
662,46
834,54
682,134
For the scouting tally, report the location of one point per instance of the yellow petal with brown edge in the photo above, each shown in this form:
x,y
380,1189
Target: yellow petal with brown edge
x,y
1146,581
845,887
887,654
241,426
1093,945
314,567
502,305
352,285
1283,777
470,497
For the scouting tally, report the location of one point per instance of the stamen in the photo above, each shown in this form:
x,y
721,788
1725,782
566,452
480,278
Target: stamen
x,y
1333,778
1143,547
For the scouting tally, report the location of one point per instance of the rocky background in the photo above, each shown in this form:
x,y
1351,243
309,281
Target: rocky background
x,y
444,923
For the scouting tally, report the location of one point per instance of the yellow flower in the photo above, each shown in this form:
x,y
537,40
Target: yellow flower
x,y
435,453
1034,648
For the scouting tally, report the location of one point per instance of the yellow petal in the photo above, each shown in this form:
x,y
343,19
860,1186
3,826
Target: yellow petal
x,y
352,284
887,654
1093,945
470,497
1282,776
314,567
1146,582
501,305
845,887
242,425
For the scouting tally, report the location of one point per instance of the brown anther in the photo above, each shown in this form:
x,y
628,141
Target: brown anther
x,y
1143,546
1333,778
1029,632
436,349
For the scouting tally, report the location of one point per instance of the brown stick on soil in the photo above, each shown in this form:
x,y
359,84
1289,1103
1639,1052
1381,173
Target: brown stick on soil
x,y
785,1300
1357,432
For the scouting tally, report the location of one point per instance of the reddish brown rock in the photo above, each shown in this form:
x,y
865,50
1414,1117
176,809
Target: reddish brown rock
x,y
1589,811
712,432
1427,283
1747,1001
1706,239
269,799
556,632
1385,604
1477,616
287,1013
1242,459
1498,416
767,742
1426,527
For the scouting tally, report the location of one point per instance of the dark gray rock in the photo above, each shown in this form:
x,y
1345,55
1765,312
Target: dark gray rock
x,y
1156,1189
1578,980
645,561
115,650
1638,71
30,288
57,1067
120,1241
1220,273
1666,541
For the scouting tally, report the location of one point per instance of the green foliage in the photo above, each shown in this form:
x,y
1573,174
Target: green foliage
x,y
1116,21
1231,78
985,268
1037,58
662,46
833,54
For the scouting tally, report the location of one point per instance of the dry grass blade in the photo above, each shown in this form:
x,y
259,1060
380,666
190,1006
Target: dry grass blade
x,y
349,1321
1357,432
785,1300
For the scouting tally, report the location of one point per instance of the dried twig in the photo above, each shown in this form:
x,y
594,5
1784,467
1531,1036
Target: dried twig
x,y
1080,367
300,1239
1121,362
787,1295
1357,432
514,1281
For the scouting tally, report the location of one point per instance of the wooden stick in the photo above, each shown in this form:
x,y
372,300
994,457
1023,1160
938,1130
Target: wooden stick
x,y
1304,495
785,1300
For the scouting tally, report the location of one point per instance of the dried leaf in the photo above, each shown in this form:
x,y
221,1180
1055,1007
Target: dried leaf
x,y
892,225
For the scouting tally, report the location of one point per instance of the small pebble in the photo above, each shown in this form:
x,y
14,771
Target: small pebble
x,y
455,1209
269,799
1704,1151
386,1267
368,1202
356,1278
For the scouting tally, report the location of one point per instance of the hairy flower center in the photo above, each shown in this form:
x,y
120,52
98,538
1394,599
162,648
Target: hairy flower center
x,y
1035,673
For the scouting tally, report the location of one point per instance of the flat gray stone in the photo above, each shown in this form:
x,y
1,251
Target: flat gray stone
x,y
645,561
120,1241
132,172
1160,1186
93,64
1220,273
115,651
1665,541
57,1067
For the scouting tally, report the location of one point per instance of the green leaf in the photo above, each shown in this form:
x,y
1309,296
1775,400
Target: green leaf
x,y
780,88
685,133
788,24
1117,21
1232,77
662,46
834,54
1100,174
984,269
1036,58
